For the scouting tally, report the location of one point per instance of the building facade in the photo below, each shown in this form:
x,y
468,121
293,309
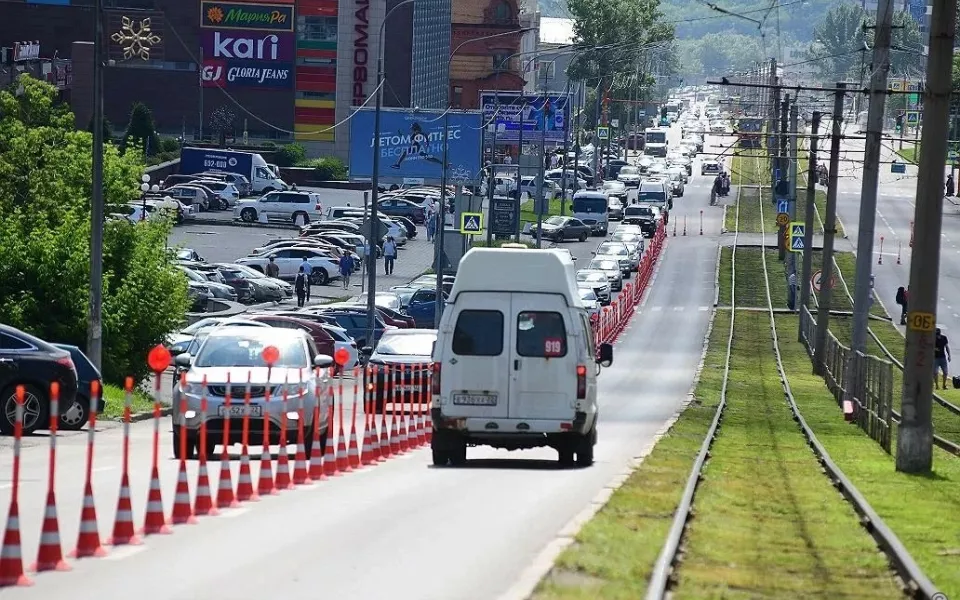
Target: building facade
x,y
430,69
491,64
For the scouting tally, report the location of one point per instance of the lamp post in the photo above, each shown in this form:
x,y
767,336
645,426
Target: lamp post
x,y
145,188
374,222
95,329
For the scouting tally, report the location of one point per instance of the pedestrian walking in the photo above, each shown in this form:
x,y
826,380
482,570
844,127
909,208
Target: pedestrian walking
x,y
308,271
389,255
950,186
792,291
273,269
941,357
431,219
902,301
300,285
346,269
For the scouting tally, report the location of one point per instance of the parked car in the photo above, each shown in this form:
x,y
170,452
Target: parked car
x,y
257,286
320,337
228,193
354,321
199,294
281,206
315,227
190,195
325,267
611,268
28,361
78,413
401,207
217,290
341,339
559,229
402,367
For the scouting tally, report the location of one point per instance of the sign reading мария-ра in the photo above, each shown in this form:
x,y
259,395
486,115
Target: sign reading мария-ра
x,y
236,15
411,144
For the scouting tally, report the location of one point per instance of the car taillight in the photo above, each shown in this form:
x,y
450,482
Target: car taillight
x,y
581,382
67,362
435,388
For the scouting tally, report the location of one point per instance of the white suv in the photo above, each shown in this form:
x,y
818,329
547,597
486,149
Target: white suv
x,y
298,207
325,266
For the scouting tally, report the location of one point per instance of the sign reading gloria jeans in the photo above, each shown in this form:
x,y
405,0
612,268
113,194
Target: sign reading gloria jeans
x,y
361,51
549,114
237,15
411,144
236,58
219,73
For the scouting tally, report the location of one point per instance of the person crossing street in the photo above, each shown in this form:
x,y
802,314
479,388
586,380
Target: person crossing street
x,y
307,270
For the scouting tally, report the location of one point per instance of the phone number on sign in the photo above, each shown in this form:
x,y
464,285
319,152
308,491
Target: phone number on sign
x,y
215,164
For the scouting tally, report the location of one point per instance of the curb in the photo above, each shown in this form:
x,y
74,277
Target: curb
x,y
221,223
147,415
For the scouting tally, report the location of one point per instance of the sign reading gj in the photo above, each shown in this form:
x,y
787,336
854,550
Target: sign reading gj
x,y
411,144
234,15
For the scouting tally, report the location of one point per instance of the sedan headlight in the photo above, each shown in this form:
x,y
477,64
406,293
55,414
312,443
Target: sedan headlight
x,y
191,388
293,390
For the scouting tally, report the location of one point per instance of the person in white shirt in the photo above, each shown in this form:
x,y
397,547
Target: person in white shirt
x,y
307,269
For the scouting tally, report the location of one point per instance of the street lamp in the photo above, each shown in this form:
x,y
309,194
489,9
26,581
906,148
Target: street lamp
x,y
95,329
145,187
443,177
374,221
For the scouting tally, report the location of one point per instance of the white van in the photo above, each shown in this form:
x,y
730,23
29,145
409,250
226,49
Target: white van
x,y
515,362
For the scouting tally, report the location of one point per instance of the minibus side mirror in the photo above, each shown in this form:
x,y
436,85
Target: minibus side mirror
x,y
605,356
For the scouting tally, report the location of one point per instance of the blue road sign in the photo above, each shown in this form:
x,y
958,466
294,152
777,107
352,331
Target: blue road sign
x,y
797,231
411,144
776,174
796,244
783,206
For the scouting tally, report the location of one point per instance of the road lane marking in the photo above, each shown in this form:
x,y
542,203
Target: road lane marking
x,y
121,552
677,308
234,512
656,308
703,308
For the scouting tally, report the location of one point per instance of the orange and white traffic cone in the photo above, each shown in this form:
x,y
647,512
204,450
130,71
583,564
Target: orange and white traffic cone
x,y
182,511
394,435
353,452
203,505
374,437
329,455
343,461
366,453
11,561
404,441
300,474
283,481
155,521
316,449
123,528
384,440
88,541
245,491
225,496
50,554
265,485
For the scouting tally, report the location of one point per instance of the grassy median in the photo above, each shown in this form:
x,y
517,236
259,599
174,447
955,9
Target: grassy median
x,y
114,398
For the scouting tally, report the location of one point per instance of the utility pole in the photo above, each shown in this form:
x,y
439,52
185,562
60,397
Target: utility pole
x,y
829,231
915,437
863,288
596,130
772,127
792,177
781,172
807,275
95,328
491,176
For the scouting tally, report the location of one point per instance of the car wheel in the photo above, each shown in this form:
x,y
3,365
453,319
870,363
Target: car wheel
x,y
565,456
35,409
75,417
248,215
583,237
224,205
319,277
585,448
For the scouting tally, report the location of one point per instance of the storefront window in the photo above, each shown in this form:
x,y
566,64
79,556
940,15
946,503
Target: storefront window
x,y
317,29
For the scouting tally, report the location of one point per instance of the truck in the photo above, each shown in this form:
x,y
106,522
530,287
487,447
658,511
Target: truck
x,y
249,164
655,142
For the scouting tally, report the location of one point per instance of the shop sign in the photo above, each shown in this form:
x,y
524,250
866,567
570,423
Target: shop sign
x,y
236,15
26,51
361,54
248,74
233,44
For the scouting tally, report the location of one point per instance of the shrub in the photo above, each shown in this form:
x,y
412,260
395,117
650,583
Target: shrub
x,y
329,168
290,155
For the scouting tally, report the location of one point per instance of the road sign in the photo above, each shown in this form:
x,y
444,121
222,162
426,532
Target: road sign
x,y
776,174
816,281
913,117
471,223
603,133
783,206
504,216
782,219
953,155
797,231
919,321
615,122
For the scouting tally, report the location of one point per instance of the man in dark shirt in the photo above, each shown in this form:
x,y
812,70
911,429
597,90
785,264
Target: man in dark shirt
x,y
941,358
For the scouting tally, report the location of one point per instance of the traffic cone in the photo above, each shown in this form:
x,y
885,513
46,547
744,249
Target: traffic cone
x,y
283,481
11,562
394,435
245,491
182,511
353,453
225,497
300,474
316,450
385,450
343,461
375,454
155,521
366,454
421,436
88,542
203,504
265,485
123,528
50,555
404,441
329,457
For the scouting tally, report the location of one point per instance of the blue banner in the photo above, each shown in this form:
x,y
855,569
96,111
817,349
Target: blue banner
x,y
541,115
411,145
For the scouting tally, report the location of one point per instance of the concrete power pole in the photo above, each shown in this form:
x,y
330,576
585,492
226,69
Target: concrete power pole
x,y
782,170
806,275
792,175
774,106
829,231
915,438
863,290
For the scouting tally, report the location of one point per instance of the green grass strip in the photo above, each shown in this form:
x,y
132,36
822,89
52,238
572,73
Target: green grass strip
x,y
528,214
114,398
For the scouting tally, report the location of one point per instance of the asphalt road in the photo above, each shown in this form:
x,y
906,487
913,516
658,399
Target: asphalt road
x,y
403,529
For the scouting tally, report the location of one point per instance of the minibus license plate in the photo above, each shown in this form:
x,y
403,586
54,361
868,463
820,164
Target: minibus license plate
x,y
238,410
475,399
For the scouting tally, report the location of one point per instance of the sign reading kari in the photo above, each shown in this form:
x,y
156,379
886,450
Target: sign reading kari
x,y
247,45
236,15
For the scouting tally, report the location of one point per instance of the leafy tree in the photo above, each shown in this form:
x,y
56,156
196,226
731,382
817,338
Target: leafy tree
x,y
107,129
141,129
45,187
838,39
221,123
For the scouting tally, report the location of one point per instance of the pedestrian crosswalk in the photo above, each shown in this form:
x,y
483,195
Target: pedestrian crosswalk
x,y
678,308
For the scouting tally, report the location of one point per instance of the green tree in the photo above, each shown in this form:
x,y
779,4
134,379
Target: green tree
x,y
290,155
141,129
45,186
838,39
221,123
107,129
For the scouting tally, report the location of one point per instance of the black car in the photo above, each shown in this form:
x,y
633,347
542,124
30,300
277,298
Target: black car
x,y
76,416
30,362
408,225
563,228
353,320
642,216
401,367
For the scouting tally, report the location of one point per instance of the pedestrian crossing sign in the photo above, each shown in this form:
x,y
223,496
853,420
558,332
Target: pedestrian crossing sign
x,y
797,232
471,223
603,133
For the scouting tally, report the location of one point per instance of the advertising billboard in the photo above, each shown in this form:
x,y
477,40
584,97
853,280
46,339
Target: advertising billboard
x,y
543,115
411,145
241,15
253,59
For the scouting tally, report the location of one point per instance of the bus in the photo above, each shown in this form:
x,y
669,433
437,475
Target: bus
x,y
590,206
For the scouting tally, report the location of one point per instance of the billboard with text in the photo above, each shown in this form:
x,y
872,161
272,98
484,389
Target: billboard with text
x,y
411,145
252,59
542,115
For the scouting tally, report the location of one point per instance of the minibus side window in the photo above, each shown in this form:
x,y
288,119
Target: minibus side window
x,y
478,333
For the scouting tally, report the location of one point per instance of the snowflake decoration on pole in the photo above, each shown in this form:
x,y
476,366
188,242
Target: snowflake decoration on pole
x,y
460,174
135,39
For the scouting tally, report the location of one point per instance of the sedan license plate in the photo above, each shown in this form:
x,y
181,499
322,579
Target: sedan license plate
x,y
475,399
406,388
238,410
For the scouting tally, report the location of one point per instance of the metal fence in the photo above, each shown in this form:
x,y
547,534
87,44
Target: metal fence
x,y
872,385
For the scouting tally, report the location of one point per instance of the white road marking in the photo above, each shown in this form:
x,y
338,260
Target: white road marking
x,y
703,308
121,552
231,513
677,308
656,308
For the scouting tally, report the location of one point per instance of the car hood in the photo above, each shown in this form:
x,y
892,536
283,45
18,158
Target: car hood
x,y
400,359
238,375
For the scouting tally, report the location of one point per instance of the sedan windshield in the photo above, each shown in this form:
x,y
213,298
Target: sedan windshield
x,y
247,351
201,324
591,277
417,344
628,171
607,248
605,265
588,295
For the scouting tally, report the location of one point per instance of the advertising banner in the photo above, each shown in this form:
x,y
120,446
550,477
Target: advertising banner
x,y
241,15
252,59
411,144
542,115
250,74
